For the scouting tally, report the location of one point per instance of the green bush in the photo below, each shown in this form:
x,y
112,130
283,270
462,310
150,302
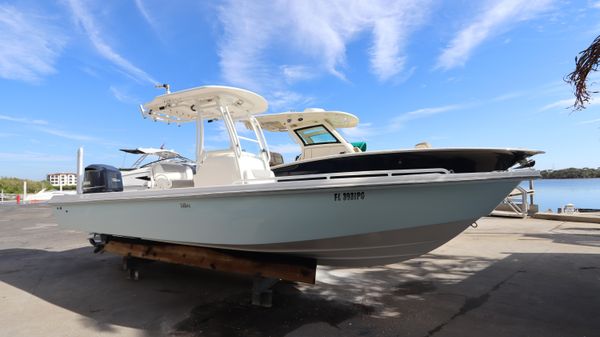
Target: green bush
x,y
570,173
13,185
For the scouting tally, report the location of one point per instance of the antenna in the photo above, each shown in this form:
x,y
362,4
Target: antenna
x,y
165,85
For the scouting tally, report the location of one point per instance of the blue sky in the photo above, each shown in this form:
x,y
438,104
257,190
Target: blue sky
x,y
454,73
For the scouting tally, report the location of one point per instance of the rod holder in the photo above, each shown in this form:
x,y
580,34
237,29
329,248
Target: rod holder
x,y
80,170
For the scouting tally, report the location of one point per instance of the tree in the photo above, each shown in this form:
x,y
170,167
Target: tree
x,y
586,62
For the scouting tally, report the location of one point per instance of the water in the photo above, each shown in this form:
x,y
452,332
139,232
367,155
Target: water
x,y
555,193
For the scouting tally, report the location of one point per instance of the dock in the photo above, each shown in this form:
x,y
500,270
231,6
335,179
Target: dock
x,y
507,277
575,217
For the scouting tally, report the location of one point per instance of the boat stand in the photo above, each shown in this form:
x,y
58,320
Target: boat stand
x,y
262,295
267,269
131,265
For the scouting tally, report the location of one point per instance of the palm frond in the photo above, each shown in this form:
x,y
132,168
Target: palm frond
x,y
586,62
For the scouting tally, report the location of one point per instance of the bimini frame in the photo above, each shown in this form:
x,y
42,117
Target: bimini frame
x,y
213,103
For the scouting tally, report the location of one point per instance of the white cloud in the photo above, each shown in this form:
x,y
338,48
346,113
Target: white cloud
x,y
593,121
361,131
365,131
30,45
218,134
241,48
44,127
23,120
86,20
508,96
400,120
495,19
392,28
242,130
285,100
67,135
297,73
142,8
385,58
316,30
122,96
33,157
566,104
150,19
562,104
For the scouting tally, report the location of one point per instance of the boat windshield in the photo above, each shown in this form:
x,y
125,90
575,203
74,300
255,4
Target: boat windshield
x,y
179,159
315,135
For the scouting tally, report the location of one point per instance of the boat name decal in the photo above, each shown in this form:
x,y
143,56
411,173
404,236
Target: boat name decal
x,y
347,196
184,205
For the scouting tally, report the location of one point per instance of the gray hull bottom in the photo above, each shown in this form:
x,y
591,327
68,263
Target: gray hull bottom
x,y
372,249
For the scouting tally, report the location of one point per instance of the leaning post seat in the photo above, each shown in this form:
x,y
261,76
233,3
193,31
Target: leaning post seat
x,y
276,159
168,175
362,146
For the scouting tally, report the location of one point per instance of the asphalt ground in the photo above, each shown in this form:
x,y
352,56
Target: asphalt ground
x,y
507,277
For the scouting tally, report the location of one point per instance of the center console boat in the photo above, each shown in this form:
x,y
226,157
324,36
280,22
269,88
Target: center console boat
x,y
325,150
344,217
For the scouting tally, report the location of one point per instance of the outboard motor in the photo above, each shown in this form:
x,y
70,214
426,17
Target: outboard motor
x,y
100,178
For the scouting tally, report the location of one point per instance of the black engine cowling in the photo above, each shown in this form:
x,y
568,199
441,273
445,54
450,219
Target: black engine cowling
x,y
100,178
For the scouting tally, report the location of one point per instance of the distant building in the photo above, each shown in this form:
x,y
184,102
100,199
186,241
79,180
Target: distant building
x,y
64,179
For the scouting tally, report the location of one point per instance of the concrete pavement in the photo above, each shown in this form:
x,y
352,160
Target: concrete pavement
x,y
508,277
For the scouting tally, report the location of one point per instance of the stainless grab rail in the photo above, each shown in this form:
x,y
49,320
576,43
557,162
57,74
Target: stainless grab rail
x,y
361,174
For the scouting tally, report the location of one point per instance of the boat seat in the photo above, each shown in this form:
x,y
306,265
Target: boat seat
x,y
169,175
220,168
359,146
423,145
276,159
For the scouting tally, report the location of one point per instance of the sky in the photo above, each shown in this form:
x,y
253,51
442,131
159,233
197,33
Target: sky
x,y
453,73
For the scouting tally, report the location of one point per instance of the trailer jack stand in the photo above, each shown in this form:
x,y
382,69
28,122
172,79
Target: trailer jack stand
x,y
262,294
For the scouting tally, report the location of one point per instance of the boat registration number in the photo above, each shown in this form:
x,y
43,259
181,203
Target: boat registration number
x,y
348,196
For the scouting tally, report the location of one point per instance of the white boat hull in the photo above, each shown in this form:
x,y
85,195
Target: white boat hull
x,y
344,222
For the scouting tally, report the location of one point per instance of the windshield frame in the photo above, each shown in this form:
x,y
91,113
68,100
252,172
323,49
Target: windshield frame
x,y
303,139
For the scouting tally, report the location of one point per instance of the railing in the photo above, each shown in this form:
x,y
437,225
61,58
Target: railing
x,y
516,208
521,210
361,174
7,198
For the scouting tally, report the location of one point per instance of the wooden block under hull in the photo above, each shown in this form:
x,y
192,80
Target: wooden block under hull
x,y
288,268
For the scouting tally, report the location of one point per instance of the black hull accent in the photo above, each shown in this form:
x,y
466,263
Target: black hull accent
x,y
455,160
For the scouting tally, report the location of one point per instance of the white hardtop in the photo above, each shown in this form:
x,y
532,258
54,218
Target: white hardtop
x,y
233,165
285,121
314,130
185,106
162,153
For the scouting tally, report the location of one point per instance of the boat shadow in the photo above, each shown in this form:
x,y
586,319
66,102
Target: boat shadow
x,y
581,235
183,301
168,298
